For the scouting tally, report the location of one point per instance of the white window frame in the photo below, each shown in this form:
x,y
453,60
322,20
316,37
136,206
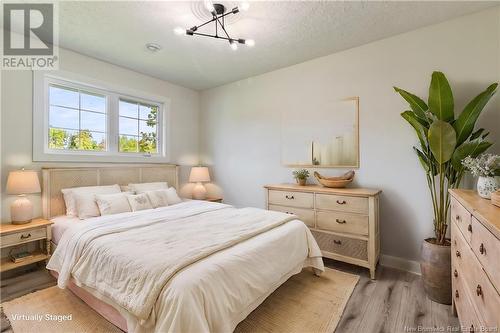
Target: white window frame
x,y
41,150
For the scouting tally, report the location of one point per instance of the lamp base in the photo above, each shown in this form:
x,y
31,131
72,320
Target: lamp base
x,y
21,210
199,192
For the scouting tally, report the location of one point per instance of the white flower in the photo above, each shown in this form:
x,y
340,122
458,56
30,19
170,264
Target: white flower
x,y
484,165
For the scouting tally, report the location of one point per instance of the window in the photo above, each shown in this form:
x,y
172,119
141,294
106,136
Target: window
x,y
137,127
77,119
95,122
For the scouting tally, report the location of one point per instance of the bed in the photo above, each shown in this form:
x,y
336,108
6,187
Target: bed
x,y
195,266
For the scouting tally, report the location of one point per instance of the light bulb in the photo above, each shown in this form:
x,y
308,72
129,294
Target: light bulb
x,y
209,6
179,31
234,46
249,42
244,6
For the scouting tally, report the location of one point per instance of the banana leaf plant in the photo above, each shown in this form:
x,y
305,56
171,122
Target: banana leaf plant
x,y
445,141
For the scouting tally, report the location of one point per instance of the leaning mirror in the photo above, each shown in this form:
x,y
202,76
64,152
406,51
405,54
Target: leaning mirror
x,y
328,137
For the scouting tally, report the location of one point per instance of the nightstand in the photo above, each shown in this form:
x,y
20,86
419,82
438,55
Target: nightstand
x,y
214,199
36,231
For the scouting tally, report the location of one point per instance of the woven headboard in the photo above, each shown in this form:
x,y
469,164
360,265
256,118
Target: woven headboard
x,y
55,179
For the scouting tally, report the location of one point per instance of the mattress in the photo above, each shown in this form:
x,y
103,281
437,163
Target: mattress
x,y
61,224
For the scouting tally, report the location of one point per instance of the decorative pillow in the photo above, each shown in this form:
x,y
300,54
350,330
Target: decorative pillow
x,y
86,206
112,203
143,187
172,196
158,198
70,199
139,201
125,188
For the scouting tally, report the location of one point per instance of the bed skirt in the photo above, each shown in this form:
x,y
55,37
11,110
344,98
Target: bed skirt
x,y
104,309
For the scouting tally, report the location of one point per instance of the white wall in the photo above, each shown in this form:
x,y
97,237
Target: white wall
x,y
16,116
240,122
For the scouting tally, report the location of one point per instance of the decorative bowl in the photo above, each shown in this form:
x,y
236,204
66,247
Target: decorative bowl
x,y
335,182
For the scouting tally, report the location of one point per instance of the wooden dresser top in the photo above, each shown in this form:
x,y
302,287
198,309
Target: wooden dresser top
x,y
353,191
482,209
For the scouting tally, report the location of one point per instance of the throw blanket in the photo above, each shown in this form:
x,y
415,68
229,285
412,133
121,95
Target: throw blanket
x,y
130,257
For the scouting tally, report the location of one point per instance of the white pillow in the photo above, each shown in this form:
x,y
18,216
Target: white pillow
x,y
112,203
158,198
70,200
143,187
139,201
125,188
172,196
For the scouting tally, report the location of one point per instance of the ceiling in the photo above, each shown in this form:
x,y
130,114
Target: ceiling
x,y
285,33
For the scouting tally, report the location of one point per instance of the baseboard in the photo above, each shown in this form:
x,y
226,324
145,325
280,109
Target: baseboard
x,y
400,263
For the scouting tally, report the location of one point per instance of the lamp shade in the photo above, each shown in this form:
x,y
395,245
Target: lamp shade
x,y
199,174
23,182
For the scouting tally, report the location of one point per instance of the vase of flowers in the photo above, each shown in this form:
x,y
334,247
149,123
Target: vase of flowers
x,y
485,167
301,176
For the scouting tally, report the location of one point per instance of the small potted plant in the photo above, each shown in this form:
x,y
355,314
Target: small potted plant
x,y
301,176
486,167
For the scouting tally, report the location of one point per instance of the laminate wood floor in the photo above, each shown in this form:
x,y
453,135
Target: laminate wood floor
x,y
394,302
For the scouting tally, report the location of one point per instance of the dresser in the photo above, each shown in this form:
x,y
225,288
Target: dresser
x,y
344,221
475,263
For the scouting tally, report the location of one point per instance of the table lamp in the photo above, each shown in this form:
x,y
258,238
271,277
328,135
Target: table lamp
x,y
20,183
198,175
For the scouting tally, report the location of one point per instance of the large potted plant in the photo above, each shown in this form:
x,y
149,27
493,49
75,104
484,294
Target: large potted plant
x,y
444,141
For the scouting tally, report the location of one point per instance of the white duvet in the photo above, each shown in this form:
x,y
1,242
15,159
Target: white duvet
x,y
193,267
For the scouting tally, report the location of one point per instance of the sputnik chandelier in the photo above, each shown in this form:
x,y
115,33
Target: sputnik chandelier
x,y
219,12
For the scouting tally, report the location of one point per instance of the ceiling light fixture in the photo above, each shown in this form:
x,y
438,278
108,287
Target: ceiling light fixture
x,y
153,47
179,31
218,12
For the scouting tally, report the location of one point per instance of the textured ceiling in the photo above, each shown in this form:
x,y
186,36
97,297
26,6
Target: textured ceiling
x,y
285,33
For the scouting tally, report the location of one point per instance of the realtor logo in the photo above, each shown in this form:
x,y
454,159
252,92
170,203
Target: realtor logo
x,y
29,36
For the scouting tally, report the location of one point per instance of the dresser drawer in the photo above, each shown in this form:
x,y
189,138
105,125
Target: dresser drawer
x,y
468,269
342,203
459,247
23,237
305,215
484,297
342,222
462,218
468,317
487,249
349,247
291,199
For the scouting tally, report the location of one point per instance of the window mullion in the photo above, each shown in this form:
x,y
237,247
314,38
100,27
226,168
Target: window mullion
x,y
113,121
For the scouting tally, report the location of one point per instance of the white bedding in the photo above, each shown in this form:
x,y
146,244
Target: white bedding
x,y
196,266
61,224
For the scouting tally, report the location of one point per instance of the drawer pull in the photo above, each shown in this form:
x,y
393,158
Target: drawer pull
x,y
25,236
340,221
289,197
457,217
337,242
456,294
482,250
457,253
343,202
479,291
472,328
469,228
455,273
290,213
